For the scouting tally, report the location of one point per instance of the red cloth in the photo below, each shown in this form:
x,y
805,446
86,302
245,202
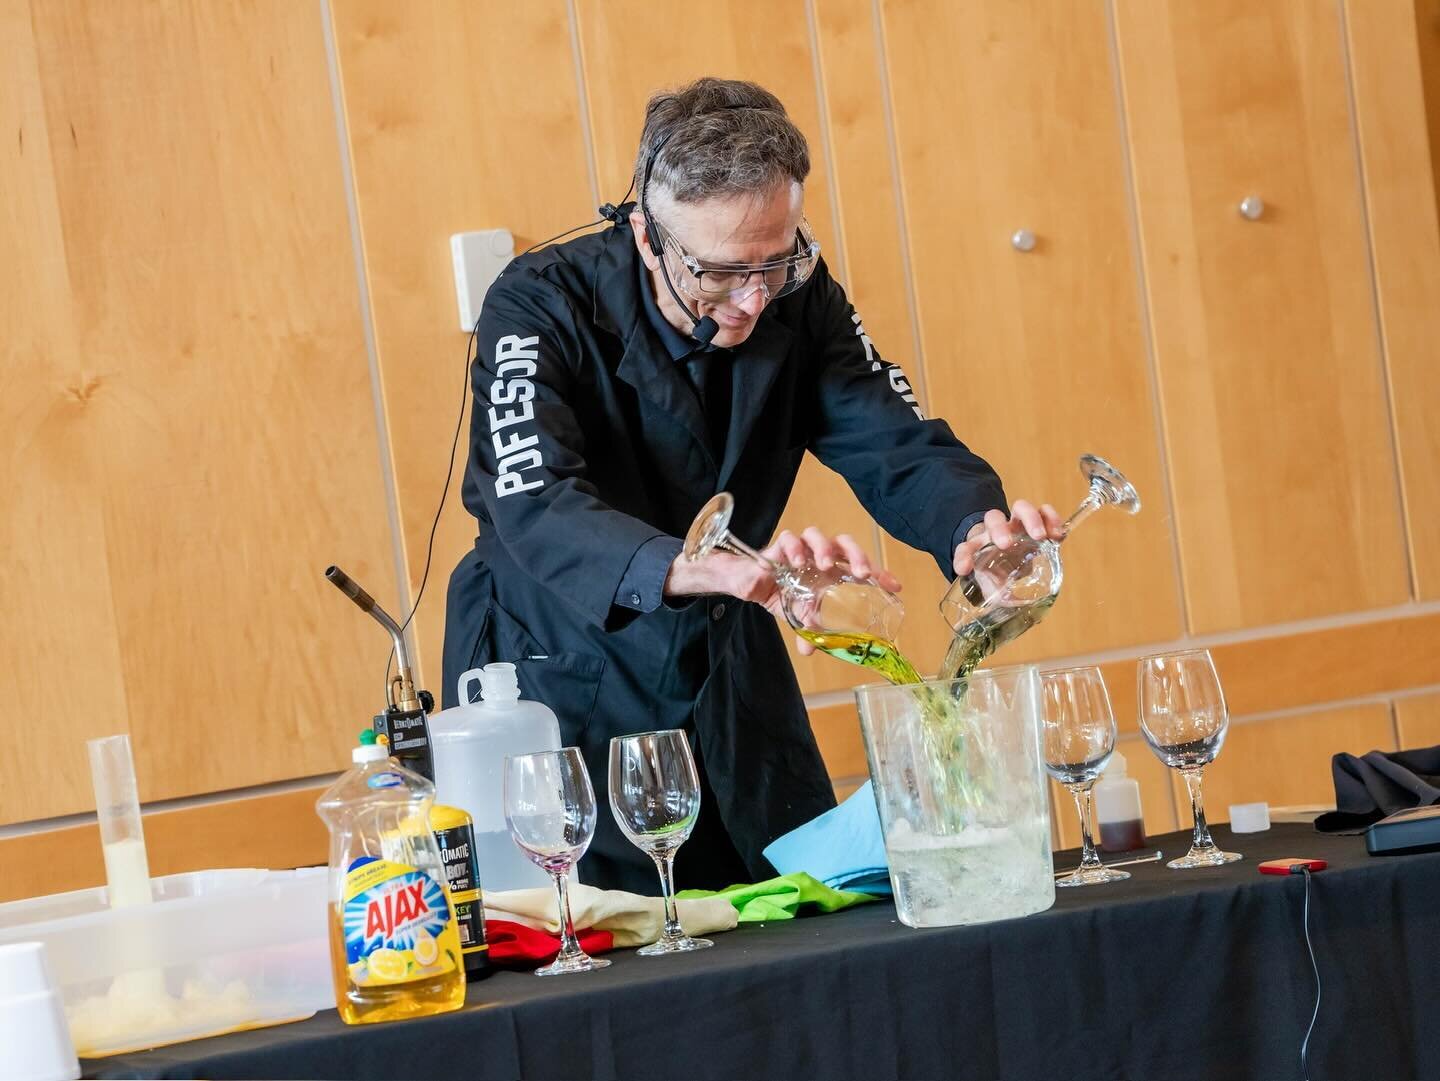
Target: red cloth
x,y
516,944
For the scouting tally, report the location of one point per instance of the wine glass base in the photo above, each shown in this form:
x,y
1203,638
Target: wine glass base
x,y
1204,857
580,963
1092,876
680,944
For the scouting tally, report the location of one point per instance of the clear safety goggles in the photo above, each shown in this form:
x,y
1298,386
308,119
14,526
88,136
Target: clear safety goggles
x,y
736,281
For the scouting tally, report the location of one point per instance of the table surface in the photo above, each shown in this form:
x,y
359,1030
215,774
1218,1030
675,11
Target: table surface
x,y
1198,973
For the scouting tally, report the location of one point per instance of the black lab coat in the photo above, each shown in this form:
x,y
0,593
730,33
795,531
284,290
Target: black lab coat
x,y
610,451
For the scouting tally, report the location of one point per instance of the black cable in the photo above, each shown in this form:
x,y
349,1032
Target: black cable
x,y
567,232
470,357
1305,1043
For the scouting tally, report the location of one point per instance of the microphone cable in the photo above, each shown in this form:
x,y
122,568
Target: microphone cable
x,y
1310,946
471,345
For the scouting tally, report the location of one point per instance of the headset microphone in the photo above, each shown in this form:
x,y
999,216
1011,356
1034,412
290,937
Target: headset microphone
x,y
704,330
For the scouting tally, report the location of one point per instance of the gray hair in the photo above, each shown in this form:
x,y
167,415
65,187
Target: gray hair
x,y
718,137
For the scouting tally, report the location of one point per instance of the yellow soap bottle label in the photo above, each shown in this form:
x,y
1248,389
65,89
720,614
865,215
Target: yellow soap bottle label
x,y
398,924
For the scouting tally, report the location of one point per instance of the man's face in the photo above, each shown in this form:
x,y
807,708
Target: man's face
x,y
732,229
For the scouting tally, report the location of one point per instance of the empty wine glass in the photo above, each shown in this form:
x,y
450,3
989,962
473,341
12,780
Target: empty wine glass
x,y
550,808
1078,729
655,797
1184,718
854,619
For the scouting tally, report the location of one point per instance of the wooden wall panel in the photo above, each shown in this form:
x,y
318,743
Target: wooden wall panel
x,y
1033,357
187,400
1310,669
842,745
1427,36
1265,336
681,44
1400,187
1286,761
271,831
1417,721
435,152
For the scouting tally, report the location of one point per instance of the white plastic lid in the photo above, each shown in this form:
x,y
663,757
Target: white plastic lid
x,y
498,682
1115,768
368,752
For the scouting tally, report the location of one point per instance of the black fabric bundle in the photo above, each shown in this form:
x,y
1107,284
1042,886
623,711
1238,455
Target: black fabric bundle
x,y
1371,786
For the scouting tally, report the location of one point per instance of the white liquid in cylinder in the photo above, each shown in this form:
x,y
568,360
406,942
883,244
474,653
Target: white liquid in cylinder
x,y
127,873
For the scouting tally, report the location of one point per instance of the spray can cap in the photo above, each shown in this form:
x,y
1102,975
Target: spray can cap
x,y
370,749
498,683
1115,768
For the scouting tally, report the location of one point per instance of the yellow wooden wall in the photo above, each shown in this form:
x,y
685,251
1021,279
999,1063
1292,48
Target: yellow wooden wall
x,y
231,358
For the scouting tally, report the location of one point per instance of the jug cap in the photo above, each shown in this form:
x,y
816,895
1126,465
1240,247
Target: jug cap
x,y
1115,768
498,682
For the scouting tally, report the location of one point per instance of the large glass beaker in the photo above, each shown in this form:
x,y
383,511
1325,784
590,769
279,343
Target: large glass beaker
x,y
959,781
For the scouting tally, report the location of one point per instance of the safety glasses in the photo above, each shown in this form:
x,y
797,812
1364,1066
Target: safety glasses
x,y
717,281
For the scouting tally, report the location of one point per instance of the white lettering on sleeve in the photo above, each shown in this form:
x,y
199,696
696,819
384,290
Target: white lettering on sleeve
x,y
898,383
515,452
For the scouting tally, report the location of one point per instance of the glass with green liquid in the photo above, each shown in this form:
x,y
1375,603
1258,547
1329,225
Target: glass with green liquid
x,y
1011,589
854,619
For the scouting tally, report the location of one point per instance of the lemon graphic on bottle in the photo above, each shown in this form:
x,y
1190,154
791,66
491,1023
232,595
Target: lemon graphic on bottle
x,y
388,966
427,951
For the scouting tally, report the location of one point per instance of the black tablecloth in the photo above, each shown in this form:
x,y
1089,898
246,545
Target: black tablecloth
x,y
1195,974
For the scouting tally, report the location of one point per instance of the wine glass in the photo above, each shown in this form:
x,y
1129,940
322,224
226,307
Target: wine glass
x,y
1010,589
550,808
1183,717
854,619
655,797
1078,728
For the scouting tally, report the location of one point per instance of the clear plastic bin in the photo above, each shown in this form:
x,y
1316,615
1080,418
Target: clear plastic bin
x,y
217,951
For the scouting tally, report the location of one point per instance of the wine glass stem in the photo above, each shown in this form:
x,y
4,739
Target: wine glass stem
x,y
1085,804
736,547
1197,808
1088,506
569,944
666,865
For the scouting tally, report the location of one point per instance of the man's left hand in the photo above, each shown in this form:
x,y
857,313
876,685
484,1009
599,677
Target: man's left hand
x,y
1041,523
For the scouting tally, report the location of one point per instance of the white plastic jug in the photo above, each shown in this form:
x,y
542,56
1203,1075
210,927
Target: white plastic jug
x,y
470,742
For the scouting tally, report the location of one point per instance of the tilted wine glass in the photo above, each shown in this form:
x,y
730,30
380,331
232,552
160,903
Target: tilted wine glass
x,y
1184,719
1011,589
854,619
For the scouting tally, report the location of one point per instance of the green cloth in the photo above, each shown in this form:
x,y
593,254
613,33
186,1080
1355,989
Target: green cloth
x,y
781,898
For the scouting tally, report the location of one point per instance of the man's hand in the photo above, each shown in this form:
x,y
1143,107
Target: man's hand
x,y
1042,523
741,577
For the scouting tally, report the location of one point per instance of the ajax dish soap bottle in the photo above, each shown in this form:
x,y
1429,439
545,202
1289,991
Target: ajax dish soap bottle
x,y
394,948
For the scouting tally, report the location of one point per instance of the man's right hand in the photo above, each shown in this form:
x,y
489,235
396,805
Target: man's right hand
x,y
740,576
720,572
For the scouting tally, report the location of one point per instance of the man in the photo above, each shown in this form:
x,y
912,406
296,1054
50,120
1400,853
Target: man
x,y
623,379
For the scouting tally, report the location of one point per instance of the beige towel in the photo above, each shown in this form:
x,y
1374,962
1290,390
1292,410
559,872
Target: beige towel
x,y
632,919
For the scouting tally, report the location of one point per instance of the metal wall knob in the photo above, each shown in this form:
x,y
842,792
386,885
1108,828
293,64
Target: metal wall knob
x,y
1022,240
1251,207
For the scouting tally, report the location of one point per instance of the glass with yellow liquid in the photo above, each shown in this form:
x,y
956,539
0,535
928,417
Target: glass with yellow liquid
x,y
853,619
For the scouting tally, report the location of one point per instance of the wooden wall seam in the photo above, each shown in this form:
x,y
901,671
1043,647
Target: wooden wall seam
x,y
403,595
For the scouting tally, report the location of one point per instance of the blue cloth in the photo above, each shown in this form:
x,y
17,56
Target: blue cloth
x,y
844,847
